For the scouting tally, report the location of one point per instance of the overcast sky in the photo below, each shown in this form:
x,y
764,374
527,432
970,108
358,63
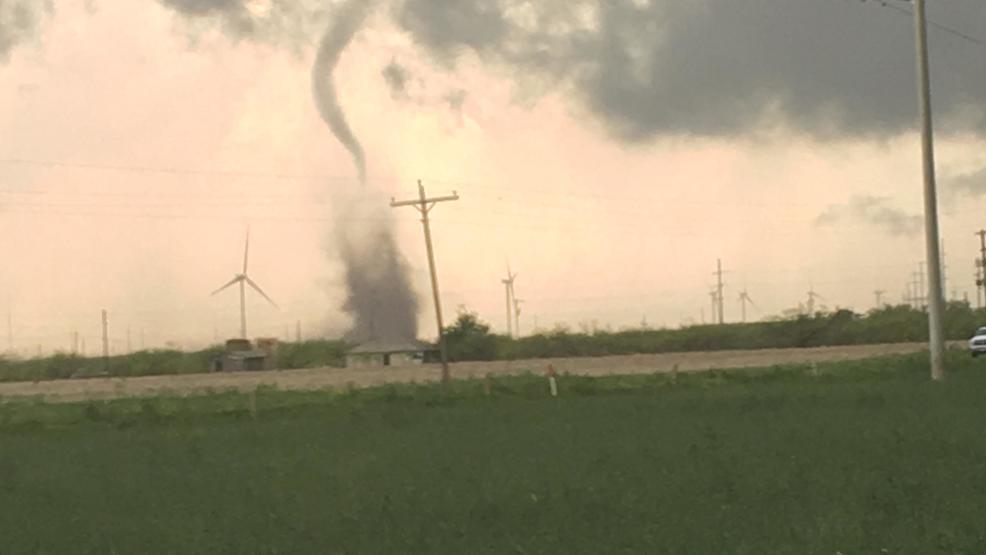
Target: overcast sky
x,y
610,153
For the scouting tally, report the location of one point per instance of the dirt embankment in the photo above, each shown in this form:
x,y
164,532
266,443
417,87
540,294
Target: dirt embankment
x,y
322,378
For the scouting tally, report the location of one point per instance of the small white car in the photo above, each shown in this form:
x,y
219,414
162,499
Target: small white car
x,y
977,345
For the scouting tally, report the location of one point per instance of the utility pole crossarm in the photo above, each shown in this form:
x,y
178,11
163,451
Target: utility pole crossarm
x,y
420,202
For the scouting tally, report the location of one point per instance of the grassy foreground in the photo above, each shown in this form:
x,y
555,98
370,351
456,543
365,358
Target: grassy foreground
x,y
861,457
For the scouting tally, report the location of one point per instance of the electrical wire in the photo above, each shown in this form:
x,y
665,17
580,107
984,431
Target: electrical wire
x,y
931,23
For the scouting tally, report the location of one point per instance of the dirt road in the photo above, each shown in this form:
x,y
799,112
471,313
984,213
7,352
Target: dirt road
x,y
322,378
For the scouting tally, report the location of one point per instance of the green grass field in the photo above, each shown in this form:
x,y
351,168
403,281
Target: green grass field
x,y
863,457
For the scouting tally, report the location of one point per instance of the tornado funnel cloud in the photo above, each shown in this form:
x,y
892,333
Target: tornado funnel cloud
x,y
346,22
379,296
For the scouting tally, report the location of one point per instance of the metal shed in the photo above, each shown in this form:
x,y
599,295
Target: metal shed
x,y
241,355
378,352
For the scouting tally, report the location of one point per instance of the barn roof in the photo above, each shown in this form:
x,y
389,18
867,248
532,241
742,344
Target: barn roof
x,y
386,346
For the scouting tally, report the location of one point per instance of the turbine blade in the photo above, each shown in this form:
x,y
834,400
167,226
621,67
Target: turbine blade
x,y
246,250
261,291
229,283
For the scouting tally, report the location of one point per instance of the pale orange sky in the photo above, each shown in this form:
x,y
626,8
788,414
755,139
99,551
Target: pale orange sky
x,y
597,229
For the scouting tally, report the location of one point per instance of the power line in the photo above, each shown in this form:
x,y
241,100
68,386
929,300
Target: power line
x,y
180,171
952,31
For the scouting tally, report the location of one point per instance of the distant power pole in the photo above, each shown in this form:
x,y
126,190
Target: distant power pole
x,y
106,342
981,266
297,331
722,318
143,346
129,346
916,290
75,343
424,205
979,283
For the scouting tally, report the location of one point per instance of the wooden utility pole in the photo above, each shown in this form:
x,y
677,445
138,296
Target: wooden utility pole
x,y
129,345
879,298
936,305
423,204
106,342
297,331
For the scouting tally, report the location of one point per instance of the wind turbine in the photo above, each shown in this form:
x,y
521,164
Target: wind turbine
x,y
243,280
745,298
511,304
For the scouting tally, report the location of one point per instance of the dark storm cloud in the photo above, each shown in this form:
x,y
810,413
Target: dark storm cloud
x,y
971,183
874,211
828,68
456,99
396,77
20,20
717,67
